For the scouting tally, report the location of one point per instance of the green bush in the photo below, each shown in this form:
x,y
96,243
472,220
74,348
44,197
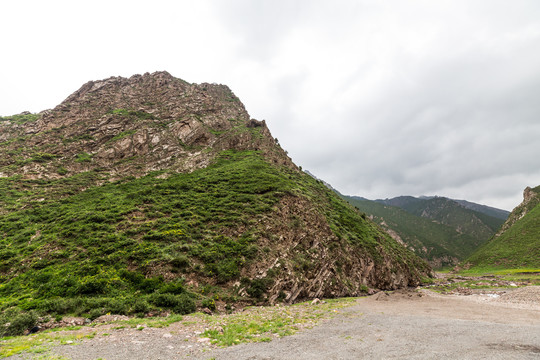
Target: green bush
x,y
180,262
180,304
14,321
141,306
95,313
257,288
93,286
150,285
173,288
210,304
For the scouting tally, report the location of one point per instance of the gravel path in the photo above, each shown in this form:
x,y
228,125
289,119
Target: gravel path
x,y
404,325
409,326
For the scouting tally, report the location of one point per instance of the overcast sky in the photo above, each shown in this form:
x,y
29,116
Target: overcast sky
x,y
378,98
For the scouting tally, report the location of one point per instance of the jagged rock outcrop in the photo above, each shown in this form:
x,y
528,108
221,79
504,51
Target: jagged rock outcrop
x,y
132,126
530,200
516,245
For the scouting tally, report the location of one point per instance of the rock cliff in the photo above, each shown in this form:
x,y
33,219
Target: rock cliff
x,y
132,126
531,198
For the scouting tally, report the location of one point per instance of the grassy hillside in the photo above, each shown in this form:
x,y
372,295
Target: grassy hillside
x,y
449,212
438,229
518,246
437,243
136,245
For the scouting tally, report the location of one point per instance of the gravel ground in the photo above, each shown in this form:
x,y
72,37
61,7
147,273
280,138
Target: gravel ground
x,y
421,325
405,324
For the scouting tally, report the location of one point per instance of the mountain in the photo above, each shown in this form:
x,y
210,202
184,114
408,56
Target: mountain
x,y
517,244
449,212
488,210
321,181
146,193
440,230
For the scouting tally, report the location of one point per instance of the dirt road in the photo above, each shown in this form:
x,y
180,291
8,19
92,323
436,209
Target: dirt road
x,y
403,325
409,326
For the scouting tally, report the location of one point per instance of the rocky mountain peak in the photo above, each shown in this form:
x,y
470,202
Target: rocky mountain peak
x,y
531,198
156,79
134,125
528,195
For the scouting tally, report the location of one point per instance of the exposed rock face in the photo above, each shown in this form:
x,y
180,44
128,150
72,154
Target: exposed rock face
x,y
530,200
528,195
313,262
133,126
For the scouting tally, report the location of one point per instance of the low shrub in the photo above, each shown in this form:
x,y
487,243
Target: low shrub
x,y
14,321
180,304
176,288
180,262
258,287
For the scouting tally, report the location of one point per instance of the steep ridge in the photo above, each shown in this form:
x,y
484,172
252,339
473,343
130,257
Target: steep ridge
x,y
488,210
149,193
438,229
517,244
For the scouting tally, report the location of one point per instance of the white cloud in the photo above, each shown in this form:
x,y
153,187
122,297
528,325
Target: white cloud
x,y
378,98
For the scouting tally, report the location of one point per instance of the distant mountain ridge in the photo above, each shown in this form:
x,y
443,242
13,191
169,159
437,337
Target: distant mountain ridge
x,y
406,201
441,230
449,212
488,210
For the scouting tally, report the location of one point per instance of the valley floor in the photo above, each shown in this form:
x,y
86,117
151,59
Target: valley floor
x,y
405,325
502,324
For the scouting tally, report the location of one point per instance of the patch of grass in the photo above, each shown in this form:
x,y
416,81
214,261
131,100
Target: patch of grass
x,y
151,322
42,157
137,114
37,343
21,118
83,157
122,135
258,324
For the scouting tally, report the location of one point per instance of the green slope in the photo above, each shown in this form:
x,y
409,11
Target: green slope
x,y
449,212
518,246
129,246
438,229
440,244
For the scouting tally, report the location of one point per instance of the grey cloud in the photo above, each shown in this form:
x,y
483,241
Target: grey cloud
x,y
378,98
